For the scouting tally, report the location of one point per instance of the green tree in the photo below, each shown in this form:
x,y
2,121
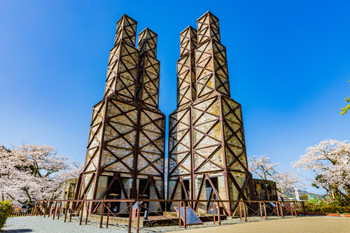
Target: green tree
x,y
347,107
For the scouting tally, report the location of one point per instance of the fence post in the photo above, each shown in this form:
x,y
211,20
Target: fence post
x,y
260,209
130,220
44,207
36,208
108,209
219,217
39,209
71,211
102,212
303,205
244,211
59,210
138,219
66,211
50,209
33,209
214,213
277,210
87,212
81,212
265,210
55,211
240,210
184,204
180,214
281,207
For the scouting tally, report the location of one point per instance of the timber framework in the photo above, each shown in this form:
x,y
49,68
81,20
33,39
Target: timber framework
x,y
207,157
207,151
125,152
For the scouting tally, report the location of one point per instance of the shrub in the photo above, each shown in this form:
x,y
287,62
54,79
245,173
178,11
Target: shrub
x,y
5,211
326,207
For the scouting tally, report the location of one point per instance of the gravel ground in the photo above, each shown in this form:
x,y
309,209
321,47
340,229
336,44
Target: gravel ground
x,y
288,224
47,225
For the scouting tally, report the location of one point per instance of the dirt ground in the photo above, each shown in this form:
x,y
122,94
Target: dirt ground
x,y
292,225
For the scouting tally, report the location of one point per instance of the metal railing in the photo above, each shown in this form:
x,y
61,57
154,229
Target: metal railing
x,y
129,211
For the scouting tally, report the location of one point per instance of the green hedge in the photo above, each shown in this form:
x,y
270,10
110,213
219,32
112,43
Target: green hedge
x,y
324,207
5,211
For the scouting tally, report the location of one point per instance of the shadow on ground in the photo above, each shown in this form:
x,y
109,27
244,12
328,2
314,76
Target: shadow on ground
x,y
17,230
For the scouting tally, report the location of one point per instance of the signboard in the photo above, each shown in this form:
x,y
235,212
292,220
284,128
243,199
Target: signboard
x,y
191,216
313,198
136,204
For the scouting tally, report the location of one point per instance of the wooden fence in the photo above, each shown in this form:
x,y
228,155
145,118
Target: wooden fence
x,y
130,215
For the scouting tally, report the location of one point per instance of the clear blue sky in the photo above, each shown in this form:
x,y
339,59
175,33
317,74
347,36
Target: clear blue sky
x,y
289,63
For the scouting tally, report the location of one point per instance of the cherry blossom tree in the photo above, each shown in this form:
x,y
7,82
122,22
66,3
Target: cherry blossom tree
x,y
266,170
330,163
33,172
287,180
262,167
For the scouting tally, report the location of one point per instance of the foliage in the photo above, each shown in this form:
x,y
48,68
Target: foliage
x,y
5,211
326,207
32,172
265,169
347,107
330,163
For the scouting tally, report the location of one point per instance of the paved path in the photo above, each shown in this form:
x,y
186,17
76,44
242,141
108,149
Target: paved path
x,y
291,225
